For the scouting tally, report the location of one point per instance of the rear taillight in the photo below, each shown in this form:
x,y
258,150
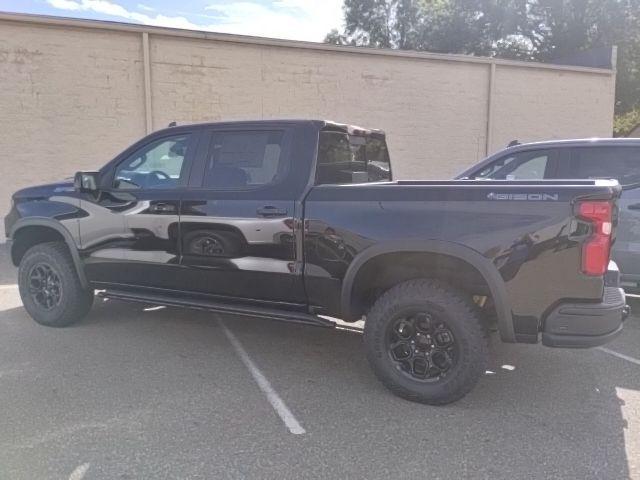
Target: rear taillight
x,y
596,249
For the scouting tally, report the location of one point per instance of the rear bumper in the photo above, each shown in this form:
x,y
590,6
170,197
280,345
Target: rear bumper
x,y
582,325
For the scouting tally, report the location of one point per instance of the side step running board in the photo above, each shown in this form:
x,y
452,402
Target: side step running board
x,y
198,304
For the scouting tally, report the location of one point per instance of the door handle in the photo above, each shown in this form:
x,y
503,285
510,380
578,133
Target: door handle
x,y
271,211
635,206
162,208
118,207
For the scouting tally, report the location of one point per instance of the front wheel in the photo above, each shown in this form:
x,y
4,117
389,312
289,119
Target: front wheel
x,y
50,288
425,342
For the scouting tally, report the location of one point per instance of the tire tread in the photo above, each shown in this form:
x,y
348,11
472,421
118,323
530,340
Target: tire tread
x,y
77,300
451,299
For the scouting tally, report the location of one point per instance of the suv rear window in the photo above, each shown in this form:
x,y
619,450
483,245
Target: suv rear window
x,y
344,158
621,163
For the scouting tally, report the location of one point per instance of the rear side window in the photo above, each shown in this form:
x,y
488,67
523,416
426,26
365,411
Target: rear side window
x,y
241,160
620,163
519,166
344,158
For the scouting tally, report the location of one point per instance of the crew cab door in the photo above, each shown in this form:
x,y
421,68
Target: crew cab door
x,y
238,218
130,235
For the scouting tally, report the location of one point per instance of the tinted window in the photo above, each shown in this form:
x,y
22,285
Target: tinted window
x,y
344,158
240,160
519,166
621,163
159,164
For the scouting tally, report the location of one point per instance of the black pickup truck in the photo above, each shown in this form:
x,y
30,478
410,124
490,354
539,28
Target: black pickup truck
x,y
300,221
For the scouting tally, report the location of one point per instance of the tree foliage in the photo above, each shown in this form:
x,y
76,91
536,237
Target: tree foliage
x,y
625,123
379,23
540,30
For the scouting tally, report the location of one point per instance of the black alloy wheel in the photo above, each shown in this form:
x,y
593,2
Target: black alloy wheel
x,y
421,346
45,286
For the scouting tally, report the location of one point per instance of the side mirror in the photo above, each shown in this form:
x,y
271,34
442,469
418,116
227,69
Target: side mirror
x,y
86,181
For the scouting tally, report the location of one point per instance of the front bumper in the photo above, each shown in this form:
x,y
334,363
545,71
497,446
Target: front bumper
x,y
582,325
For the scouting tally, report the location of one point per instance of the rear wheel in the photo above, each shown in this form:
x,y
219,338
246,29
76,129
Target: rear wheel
x,y
50,288
425,342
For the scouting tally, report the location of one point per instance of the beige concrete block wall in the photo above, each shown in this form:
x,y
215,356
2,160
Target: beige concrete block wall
x,y
414,101
531,105
68,101
72,95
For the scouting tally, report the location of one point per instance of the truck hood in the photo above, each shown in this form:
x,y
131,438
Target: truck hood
x,y
45,191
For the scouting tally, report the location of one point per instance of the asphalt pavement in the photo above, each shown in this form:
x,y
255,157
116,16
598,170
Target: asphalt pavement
x,y
141,392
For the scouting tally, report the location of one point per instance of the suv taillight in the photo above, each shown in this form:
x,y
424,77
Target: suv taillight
x,y
596,249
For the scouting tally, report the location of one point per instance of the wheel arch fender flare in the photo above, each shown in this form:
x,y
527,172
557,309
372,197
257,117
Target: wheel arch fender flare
x,y
59,228
482,264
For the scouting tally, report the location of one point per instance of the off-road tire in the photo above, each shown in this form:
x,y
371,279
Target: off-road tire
x,y
74,301
463,321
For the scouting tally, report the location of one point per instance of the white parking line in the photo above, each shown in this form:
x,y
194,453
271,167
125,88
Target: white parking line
x,y
619,355
7,287
274,399
79,472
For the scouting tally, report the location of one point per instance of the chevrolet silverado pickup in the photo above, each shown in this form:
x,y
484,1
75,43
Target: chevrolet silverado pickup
x,y
300,221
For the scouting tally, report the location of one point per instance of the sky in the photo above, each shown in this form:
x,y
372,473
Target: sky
x,y
307,20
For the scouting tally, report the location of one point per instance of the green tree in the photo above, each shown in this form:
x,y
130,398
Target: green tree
x,y
378,23
521,29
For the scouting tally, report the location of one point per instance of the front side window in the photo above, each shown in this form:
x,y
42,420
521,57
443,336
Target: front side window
x,y
241,160
620,163
519,166
157,165
344,158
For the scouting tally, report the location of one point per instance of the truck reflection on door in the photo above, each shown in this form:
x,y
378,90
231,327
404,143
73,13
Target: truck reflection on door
x,y
239,256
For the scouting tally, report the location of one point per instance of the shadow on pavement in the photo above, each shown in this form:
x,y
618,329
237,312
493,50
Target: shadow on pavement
x,y
540,413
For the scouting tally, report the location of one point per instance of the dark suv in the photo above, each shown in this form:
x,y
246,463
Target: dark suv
x,y
617,158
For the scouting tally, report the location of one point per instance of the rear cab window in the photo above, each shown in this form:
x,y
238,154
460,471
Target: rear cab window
x,y
346,158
